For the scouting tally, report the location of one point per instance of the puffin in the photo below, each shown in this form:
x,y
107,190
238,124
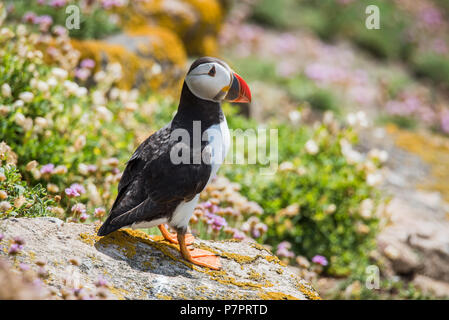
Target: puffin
x,y
164,177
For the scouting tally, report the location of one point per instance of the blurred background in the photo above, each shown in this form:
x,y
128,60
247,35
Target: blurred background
x,y
358,205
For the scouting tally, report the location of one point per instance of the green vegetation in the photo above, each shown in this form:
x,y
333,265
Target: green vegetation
x,y
332,205
432,66
18,199
95,22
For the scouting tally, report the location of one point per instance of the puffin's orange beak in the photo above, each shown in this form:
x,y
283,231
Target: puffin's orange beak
x,y
239,91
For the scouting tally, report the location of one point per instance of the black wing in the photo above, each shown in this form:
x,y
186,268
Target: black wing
x,y
152,185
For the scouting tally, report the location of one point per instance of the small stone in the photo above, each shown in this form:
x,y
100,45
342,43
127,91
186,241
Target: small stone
x,y
41,262
391,252
75,261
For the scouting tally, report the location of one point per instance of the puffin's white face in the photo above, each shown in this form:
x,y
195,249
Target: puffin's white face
x,y
210,81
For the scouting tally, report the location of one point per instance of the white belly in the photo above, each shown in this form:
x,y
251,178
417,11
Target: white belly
x,y
219,141
183,212
146,224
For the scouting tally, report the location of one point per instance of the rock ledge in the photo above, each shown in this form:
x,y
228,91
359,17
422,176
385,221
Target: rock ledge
x,y
138,266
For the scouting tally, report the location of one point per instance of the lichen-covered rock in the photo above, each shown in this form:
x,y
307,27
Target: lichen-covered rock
x,y
196,22
138,266
152,57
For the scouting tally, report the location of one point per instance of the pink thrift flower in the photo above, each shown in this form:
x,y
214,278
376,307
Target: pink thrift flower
x,y
99,212
79,208
255,233
87,63
59,30
78,188
84,216
215,221
48,168
101,282
19,240
445,121
24,266
91,168
432,17
29,17
58,3
238,235
320,260
71,193
15,249
82,74
283,250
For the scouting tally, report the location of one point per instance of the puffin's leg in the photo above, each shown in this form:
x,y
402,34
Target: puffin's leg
x,y
198,256
171,237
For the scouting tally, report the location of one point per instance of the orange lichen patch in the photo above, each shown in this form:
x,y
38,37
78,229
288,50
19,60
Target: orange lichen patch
x,y
275,260
260,247
120,293
163,45
255,276
163,297
267,295
310,293
99,51
431,148
32,255
223,278
157,63
243,259
88,238
196,22
211,15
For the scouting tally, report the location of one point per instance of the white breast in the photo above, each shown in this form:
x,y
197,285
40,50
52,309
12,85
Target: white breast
x,y
219,141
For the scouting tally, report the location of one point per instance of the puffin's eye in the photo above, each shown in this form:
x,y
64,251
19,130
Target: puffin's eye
x,y
212,72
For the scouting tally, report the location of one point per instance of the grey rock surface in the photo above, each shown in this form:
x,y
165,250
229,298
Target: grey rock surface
x,y
415,240
138,266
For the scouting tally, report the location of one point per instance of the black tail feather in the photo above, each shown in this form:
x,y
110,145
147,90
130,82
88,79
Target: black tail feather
x,y
106,228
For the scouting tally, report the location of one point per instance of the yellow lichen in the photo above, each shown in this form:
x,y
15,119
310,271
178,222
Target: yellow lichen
x,y
196,22
309,293
163,297
32,255
433,149
162,45
211,18
120,293
158,48
223,278
267,295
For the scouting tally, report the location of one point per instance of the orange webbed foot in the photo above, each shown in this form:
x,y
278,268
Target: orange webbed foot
x,y
204,258
173,237
199,257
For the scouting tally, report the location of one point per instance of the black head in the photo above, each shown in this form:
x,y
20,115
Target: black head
x,y
213,80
